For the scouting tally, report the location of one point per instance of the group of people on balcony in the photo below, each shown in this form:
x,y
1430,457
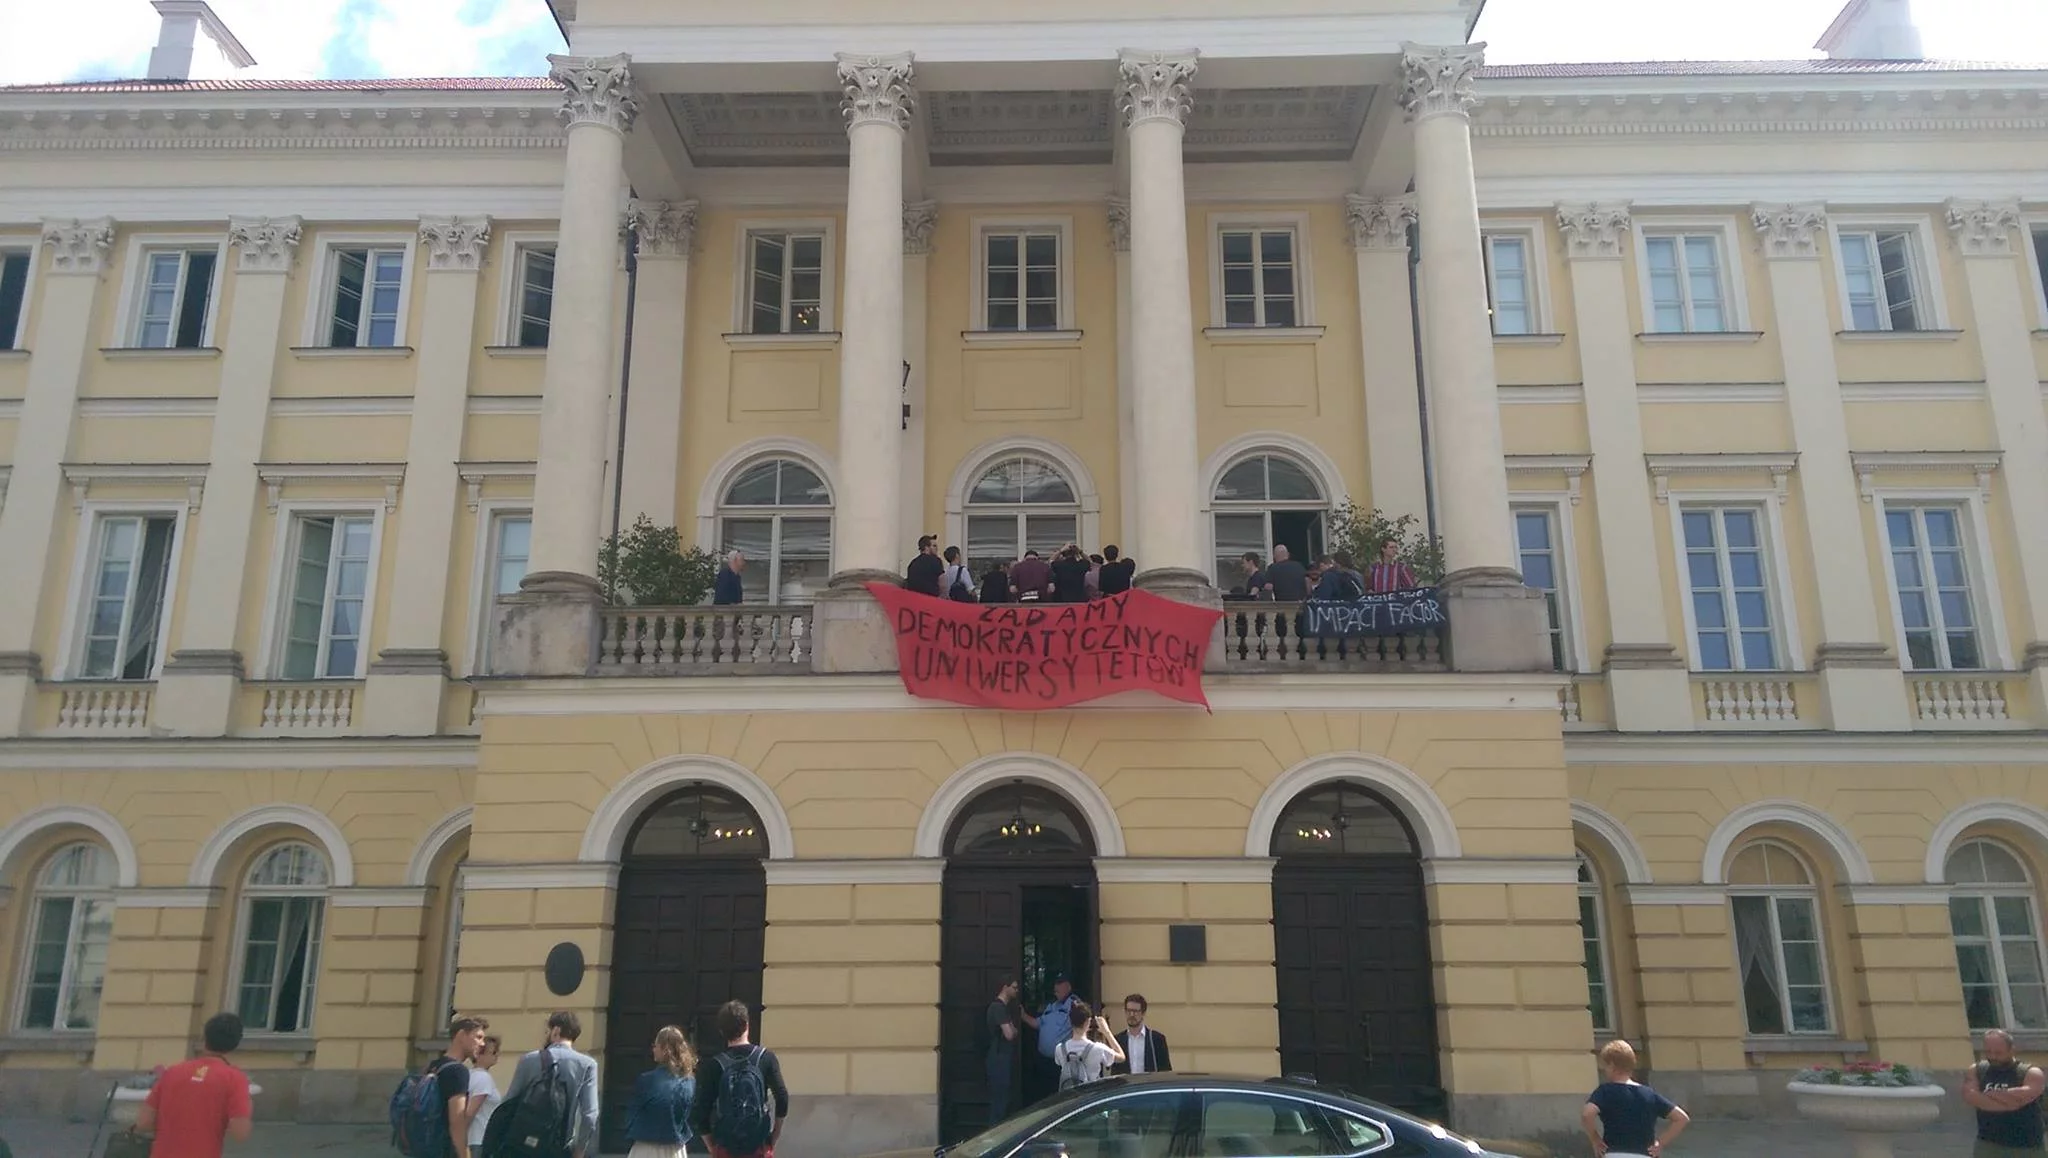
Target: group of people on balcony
x,y
1070,576
1334,576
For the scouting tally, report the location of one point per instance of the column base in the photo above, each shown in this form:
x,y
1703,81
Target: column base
x,y
402,697
195,696
1863,689
1185,585
849,630
19,673
549,628
1495,623
1649,688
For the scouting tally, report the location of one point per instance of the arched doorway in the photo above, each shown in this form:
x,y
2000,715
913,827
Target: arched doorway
x,y
687,934
1351,942
1019,901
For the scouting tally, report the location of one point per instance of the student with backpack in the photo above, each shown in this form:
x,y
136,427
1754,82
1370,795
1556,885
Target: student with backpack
x,y
550,1109
733,1111
1088,1055
430,1109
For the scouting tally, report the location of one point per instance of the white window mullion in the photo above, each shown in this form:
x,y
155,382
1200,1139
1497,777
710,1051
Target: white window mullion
x,y
1784,971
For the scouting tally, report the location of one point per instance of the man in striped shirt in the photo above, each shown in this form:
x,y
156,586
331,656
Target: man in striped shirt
x,y
1390,574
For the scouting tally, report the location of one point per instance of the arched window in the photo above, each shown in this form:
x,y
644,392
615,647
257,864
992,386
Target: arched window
x,y
1992,914
1020,819
1263,499
1593,936
779,512
1779,949
73,925
284,903
451,951
699,820
1020,503
1340,819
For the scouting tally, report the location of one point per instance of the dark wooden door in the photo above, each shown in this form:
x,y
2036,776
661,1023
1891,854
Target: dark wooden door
x,y
687,938
1351,941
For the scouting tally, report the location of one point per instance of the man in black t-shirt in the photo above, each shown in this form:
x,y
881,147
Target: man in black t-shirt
x,y
1002,1050
1115,578
922,576
2006,1093
451,1078
734,1023
1286,579
1621,1116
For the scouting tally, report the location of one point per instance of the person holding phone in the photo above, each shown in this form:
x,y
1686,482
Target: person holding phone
x,y
1088,1055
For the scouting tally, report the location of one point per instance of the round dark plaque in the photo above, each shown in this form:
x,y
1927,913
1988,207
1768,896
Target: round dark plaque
x,y
565,968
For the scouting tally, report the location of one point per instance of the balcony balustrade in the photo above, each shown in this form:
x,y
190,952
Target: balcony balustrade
x,y
704,640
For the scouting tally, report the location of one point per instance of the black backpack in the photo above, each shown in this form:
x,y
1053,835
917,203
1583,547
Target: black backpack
x,y
537,1122
742,1119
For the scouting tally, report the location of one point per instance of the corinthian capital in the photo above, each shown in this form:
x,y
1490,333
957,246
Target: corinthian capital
x,y
1983,228
1439,80
877,89
455,242
666,228
1153,86
596,90
1379,222
79,246
264,244
1118,210
1789,231
919,219
1593,230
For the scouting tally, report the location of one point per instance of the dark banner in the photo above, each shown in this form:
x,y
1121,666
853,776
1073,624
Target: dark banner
x,y
1387,613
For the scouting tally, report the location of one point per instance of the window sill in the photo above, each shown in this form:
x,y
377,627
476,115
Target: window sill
x,y
45,1041
1898,335
1021,337
1794,1044
1528,339
351,351
515,351
298,1043
13,354
1247,335
781,341
148,353
1722,337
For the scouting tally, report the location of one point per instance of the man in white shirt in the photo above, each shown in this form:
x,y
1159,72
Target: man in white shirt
x,y
1144,1048
483,1092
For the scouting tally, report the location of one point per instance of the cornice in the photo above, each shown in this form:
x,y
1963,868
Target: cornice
x,y
190,475
1868,463
313,121
276,476
1860,105
1777,464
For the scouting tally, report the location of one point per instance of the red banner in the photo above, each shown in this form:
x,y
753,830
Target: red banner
x,y
1030,656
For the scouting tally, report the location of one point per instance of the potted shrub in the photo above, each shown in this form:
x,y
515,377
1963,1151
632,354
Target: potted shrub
x,y
1869,1099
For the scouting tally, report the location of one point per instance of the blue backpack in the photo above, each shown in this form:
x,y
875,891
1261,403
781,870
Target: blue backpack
x,y
742,1119
419,1118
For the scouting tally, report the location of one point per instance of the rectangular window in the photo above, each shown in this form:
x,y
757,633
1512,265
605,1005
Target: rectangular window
x,y
1880,269
13,296
124,611
536,297
1999,955
330,580
1730,589
2039,234
363,306
280,963
1687,292
1937,607
67,963
1508,294
1536,542
1784,985
786,283
511,545
177,294
1258,278
1021,280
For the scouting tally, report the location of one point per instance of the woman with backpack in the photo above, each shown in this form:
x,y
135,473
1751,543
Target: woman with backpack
x,y
1086,1056
658,1117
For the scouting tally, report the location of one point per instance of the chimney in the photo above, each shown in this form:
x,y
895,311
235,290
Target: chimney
x,y
1873,30
194,43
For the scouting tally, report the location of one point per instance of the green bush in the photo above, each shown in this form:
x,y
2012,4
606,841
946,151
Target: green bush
x,y
1359,531
648,566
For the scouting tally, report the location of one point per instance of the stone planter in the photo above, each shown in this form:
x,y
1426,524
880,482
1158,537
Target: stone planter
x,y
1869,1114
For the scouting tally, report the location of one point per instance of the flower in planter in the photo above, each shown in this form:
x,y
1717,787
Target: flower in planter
x,y
1871,1074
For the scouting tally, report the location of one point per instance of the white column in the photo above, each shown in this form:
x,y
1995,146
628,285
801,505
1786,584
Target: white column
x,y
402,697
919,220
1393,412
654,406
1861,683
1129,484
568,489
1998,312
1153,96
197,693
1646,675
864,534
35,485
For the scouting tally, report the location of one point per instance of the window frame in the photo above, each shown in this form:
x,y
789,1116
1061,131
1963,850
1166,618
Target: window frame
x,y
1810,893
744,233
721,511
1563,549
1986,599
1926,261
451,941
18,334
238,947
128,316
283,556
985,227
484,566
1020,512
2034,233
320,290
1212,507
1594,889
1296,222
32,895
1531,232
1777,572
1734,273
71,660
1985,892
512,285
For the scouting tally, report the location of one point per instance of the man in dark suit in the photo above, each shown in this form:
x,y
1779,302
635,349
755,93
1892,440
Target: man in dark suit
x,y
1144,1048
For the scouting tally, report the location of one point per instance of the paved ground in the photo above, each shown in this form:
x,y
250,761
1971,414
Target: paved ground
x,y
37,1138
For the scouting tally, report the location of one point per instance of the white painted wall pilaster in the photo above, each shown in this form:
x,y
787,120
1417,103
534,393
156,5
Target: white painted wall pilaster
x,y
1393,411
668,234
919,220
35,484
1646,675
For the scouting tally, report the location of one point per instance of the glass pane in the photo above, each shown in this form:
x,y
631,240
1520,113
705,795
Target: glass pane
x,y
1042,284
1809,1008
1002,250
1740,528
1802,963
1913,609
993,539
1042,316
198,292
1795,923
1140,1126
1708,612
13,293
1966,916
1906,568
1980,1005
1532,530
1280,312
1948,569
1699,528
1002,315
1237,247
1042,250
1974,964
1759,652
1239,281
1290,482
1048,533
1002,284
805,561
807,252
2015,916
1963,651
89,964
1240,312
1245,481
1750,609
755,486
1714,653
2030,1006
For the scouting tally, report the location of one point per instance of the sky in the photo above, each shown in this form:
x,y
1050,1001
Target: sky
x,y
58,40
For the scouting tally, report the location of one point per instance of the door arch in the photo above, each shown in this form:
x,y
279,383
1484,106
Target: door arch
x,y
687,932
1018,902
1351,946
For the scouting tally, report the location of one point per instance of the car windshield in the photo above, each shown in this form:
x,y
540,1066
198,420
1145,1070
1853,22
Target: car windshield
x,y
991,1140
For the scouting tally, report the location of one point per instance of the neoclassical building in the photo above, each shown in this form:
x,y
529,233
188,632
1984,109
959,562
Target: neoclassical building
x,y
1722,383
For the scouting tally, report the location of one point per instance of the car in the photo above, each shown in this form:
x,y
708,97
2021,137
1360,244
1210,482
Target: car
x,y
1174,1115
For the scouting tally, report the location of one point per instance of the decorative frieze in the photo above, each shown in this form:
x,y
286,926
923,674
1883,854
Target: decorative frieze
x,y
1118,211
79,246
1789,231
1154,86
877,89
1379,222
264,244
596,90
920,218
1983,228
666,228
1593,230
455,243
1437,81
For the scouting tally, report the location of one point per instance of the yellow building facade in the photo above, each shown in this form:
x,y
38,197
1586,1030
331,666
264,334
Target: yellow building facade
x,y
1724,386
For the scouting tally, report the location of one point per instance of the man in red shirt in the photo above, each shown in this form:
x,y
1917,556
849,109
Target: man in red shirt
x,y
1390,573
194,1104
